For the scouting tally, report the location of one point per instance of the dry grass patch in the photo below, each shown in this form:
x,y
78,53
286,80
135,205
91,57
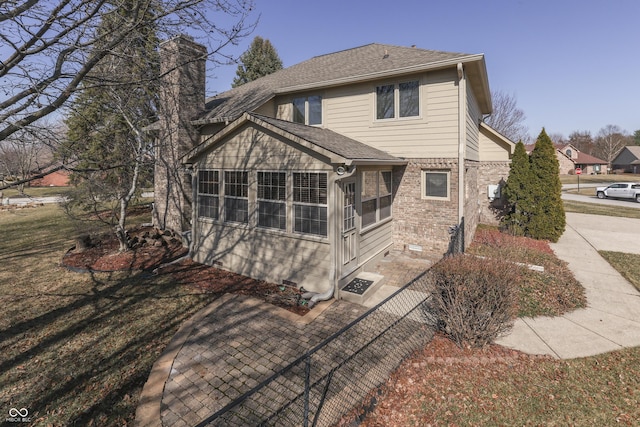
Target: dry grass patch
x,y
76,349
628,265
550,293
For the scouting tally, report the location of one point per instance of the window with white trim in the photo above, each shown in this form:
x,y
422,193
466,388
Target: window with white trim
x,y
435,184
310,192
236,196
272,196
375,196
209,194
308,110
400,100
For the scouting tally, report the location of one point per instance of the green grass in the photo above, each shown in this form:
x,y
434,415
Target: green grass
x,y
36,191
597,209
590,179
76,349
628,265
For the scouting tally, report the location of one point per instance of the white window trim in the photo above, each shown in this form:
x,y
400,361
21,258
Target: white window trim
x,y
396,100
224,197
291,218
285,202
423,184
198,194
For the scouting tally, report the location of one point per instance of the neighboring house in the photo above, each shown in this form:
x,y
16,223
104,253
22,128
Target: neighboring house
x,y
628,160
309,175
570,158
58,178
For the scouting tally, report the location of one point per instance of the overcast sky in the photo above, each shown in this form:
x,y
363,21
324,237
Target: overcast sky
x,y
571,65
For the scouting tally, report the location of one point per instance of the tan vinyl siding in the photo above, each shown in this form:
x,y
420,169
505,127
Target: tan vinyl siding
x,y
473,120
492,150
349,110
375,240
264,255
270,255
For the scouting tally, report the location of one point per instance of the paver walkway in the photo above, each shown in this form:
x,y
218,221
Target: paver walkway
x,y
237,342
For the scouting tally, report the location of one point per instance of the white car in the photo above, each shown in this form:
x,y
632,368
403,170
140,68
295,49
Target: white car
x,y
620,190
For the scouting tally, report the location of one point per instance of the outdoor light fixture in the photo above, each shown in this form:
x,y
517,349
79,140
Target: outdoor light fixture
x,y
340,170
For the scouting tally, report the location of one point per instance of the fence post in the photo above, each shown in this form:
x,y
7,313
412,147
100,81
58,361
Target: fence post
x,y
307,388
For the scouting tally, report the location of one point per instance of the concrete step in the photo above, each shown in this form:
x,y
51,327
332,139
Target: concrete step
x,y
352,292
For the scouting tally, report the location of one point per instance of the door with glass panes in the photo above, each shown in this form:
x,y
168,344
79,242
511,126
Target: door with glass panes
x,y
349,233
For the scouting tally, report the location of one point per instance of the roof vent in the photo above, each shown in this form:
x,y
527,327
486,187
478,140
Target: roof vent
x,y
386,54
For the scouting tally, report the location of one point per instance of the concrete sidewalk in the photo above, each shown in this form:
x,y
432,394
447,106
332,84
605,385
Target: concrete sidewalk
x,y
611,320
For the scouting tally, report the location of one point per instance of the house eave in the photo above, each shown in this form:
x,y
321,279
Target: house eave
x,y
376,162
381,74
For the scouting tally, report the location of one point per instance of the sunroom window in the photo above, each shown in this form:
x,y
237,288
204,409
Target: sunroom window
x,y
375,196
272,196
308,110
208,194
310,203
236,196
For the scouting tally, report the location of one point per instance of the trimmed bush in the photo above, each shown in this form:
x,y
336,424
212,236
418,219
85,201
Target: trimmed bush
x,y
474,299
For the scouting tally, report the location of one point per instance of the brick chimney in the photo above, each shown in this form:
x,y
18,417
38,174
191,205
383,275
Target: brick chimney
x,y
182,98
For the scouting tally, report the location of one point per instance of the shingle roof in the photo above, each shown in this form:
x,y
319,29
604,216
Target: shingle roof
x,y
357,64
330,141
586,159
337,147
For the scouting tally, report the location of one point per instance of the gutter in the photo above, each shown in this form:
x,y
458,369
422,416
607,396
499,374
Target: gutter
x,y
314,297
462,137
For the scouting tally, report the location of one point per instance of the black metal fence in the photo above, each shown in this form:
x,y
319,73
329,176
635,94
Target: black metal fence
x,y
336,376
456,242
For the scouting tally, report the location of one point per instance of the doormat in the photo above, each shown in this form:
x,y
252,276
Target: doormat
x,y
358,286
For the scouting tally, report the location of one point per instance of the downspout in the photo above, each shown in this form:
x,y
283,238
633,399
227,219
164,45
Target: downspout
x,y
314,297
462,138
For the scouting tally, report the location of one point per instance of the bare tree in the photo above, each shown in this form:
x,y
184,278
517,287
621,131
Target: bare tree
x,y
582,140
507,118
609,141
49,48
28,152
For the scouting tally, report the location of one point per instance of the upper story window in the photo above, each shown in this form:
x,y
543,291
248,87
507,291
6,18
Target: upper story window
x,y
569,152
208,194
236,196
308,110
398,100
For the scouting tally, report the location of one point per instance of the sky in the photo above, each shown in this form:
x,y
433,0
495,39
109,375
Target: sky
x,y
571,65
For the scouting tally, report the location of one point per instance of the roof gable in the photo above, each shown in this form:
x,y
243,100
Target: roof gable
x,y
338,148
369,62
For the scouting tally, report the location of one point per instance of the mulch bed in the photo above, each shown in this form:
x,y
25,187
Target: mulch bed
x,y
153,249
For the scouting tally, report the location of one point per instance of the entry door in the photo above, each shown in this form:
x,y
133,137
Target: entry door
x,y
349,232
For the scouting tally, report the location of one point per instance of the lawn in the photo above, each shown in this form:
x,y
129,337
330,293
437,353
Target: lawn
x,y
628,265
591,179
76,349
597,209
447,385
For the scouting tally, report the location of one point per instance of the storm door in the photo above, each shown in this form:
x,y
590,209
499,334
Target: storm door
x,y
349,231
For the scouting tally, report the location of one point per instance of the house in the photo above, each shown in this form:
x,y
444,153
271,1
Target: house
x,y
570,158
627,160
57,178
311,174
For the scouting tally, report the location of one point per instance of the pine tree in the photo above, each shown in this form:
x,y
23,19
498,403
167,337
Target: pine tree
x,y
517,193
105,136
548,218
258,61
